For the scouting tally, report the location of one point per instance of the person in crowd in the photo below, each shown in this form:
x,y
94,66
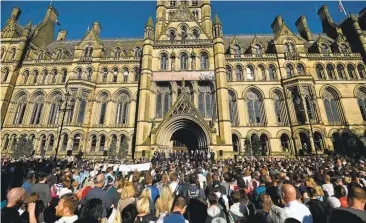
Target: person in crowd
x,y
269,212
164,203
340,194
261,188
127,196
14,200
53,178
76,176
91,211
66,185
136,183
293,208
98,192
143,209
66,209
319,211
215,212
115,192
328,186
28,183
154,191
179,208
43,189
109,174
237,211
254,183
355,212
174,184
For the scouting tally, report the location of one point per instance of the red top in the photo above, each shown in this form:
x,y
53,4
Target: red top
x,y
343,201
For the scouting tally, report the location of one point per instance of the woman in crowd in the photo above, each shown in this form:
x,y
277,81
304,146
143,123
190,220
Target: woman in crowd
x,y
164,203
127,196
143,209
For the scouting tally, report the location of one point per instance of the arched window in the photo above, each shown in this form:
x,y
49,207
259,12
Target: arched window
x,y
5,74
59,54
183,33
117,52
279,107
125,75
65,139
351,71
37,110
102,143
82,109
2,52
55,110
255,107
194,2
258,49
228,73
79,73
89,73
239,73
205,100
103,111
361,100
88,51
263,72
43,141
45,76
137,52
233,108
320,71
6,141
330,72
318,141
51,142
324,49
264,144
64,76
184,61
343,48
341,72
25,76
122,109
310,107
195,33
300,69
289,47
236,143
204,61
71,111
76,144
35,76
171,35
289,70
361,71
332,106
173,3
20,110
164,61
93,144
12,54
136,74
54,76
250,73
163,100
285,143
115,75
272,72
236,50
105,75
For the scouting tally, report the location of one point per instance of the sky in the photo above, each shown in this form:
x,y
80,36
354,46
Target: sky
x,y
128,18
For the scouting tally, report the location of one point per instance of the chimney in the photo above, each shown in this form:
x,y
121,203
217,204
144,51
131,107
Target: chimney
x,y
277,24
303,29
96,28
61,35
324,14
51,14
16,13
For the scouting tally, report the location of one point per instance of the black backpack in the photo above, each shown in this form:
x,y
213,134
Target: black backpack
x,y
129,213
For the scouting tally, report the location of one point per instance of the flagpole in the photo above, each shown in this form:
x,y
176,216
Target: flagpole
x,y
341,4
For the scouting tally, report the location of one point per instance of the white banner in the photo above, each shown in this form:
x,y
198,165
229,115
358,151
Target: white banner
x,y
133,167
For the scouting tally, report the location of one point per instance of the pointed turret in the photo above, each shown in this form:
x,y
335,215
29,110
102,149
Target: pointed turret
x,y
217,20
150,22
27,29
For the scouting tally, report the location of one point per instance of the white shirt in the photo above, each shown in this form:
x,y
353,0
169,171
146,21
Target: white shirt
x,y
299,211
201,179
329,189
69,219
173,185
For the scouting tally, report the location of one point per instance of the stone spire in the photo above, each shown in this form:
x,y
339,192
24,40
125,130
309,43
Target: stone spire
x,y
217,20
150,22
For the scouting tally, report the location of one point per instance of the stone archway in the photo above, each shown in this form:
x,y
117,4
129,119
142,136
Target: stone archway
x,y
184,131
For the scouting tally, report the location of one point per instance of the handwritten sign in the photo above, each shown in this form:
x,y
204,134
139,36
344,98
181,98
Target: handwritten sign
x,y
188,75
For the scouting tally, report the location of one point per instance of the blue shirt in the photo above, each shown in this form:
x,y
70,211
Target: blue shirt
x,y
27,187
174,217
259,190
154,193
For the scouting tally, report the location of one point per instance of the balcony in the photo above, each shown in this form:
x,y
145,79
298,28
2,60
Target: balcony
x,y
252,56
85,60
292,56
334,55
183,42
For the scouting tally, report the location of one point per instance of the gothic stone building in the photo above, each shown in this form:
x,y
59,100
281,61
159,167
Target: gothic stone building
x,y
184,85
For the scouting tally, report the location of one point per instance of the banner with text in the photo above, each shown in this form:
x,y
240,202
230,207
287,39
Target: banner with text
x,y
187,75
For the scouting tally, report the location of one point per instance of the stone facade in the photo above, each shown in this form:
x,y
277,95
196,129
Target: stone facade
x,y
185,85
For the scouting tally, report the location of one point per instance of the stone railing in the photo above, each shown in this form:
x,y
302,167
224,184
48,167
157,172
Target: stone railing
x,y
263,55
183,42
292,56
321,55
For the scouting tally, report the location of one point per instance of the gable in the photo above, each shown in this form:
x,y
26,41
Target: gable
x,y
285,32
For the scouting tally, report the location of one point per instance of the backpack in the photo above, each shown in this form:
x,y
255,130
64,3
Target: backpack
x,y
221,202
193,193
129,213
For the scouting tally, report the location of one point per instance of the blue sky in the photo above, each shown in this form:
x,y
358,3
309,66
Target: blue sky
x,y
128,18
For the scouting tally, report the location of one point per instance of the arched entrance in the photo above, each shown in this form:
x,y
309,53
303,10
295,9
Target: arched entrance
x,y
305,142
184,131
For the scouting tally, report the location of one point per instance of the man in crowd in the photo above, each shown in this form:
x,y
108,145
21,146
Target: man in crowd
x,y
98,192
179,207
293,208
28,183
14,200
43,189
66,209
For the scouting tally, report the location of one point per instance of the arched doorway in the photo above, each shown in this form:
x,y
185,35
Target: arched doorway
x,y
337,142
285,143
264,144
236,143
184,139
318,141
305,142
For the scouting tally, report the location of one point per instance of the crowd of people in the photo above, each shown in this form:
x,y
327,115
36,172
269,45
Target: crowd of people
x,y
185,189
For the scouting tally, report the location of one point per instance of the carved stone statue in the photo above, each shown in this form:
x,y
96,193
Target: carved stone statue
x,y
173,63
193,64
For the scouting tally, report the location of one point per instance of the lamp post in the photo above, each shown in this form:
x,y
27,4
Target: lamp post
x,y
67,97
298,102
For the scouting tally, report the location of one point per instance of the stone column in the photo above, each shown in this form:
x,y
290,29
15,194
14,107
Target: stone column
x,y
131,113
